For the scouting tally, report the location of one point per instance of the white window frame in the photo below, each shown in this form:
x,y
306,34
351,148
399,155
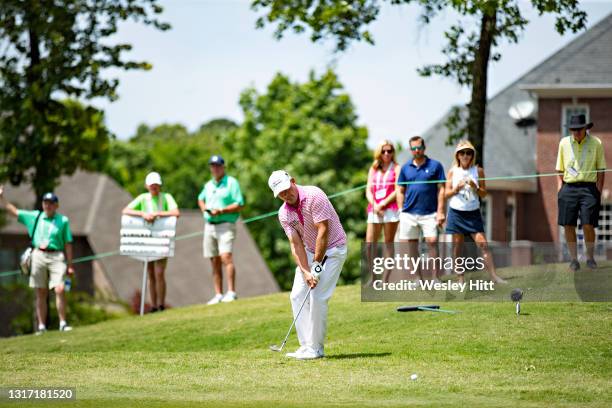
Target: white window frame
x,y
488,203
606,209
564,119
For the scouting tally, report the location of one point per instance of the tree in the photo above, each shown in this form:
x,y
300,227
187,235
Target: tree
x,y
469,50
179,156
310,130
51,52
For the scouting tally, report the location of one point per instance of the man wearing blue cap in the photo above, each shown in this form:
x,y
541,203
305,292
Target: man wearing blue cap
x,y
51,237
220,201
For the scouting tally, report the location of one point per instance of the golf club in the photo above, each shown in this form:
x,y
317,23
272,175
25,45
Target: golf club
x,y
416,308
430,308
276,348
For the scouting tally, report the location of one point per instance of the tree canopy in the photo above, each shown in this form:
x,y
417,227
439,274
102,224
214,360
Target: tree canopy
x,y
179,156
309,129
52,52
471,43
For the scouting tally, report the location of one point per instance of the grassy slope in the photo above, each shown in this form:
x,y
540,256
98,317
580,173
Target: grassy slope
x,y
557,355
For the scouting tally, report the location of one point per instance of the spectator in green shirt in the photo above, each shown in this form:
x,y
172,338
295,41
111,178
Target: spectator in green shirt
x,y
51,237
151,206
221,201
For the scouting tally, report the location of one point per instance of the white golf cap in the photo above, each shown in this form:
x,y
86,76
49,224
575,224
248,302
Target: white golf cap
x,y
153,178
279,181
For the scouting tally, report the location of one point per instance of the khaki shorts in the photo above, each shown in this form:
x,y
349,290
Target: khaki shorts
x,y
412,224
219,239
48,269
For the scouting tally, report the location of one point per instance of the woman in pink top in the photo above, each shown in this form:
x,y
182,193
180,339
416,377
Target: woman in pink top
x,y
383,212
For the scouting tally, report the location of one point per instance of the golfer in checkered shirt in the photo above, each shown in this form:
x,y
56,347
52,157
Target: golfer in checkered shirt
x,y
314,231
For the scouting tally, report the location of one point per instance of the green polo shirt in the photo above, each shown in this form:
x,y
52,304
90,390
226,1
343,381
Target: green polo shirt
x,y
147,203
585,162
220,195
54,231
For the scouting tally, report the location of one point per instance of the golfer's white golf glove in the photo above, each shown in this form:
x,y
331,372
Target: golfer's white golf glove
x,y
315,270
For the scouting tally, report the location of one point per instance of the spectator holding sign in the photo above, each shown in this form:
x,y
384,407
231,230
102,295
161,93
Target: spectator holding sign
x,y
151,206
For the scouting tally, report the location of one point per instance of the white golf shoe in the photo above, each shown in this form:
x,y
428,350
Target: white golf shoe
x,y
308,354
297,352
216,299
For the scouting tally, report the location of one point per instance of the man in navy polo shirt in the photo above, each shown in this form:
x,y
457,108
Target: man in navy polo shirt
x,y
421,203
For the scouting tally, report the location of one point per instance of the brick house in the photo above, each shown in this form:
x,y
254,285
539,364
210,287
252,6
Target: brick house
x,y
524,124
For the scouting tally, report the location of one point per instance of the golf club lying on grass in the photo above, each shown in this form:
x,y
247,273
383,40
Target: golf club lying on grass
x,y
430,308
276,348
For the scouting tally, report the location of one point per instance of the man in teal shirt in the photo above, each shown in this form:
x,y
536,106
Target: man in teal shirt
x,y
51,237
220,201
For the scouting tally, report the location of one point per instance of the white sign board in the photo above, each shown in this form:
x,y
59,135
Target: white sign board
x,y
147,241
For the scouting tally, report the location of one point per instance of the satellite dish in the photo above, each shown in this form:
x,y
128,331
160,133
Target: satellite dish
x,y
522,110
523,113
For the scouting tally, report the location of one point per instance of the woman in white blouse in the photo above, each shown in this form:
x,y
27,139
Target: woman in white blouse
x,y
464,189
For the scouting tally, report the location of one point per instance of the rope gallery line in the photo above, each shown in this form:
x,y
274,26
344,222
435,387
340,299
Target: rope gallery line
x,y
273,213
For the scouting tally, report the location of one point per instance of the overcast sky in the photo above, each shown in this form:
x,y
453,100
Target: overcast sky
x,y
213,52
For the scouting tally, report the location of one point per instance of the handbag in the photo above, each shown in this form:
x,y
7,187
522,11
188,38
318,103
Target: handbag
x,y
25,261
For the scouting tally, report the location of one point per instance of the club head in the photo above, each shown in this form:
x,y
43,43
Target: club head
x,y
276,348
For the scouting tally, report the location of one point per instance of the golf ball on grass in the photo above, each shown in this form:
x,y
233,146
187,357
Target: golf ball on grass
x,y
413,377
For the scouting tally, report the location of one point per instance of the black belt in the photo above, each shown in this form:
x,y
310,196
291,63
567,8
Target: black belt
x,y
217,222
49,250
581,184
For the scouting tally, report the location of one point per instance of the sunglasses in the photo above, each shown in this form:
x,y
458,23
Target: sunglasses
x,y
466,152
385,151
414,148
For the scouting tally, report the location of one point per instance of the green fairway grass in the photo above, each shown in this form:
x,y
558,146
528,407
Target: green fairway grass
x,y
556,355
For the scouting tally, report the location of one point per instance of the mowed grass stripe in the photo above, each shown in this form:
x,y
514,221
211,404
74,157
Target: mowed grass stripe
x,y
557,355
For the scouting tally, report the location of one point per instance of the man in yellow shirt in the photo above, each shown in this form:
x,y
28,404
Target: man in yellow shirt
x,y
580,182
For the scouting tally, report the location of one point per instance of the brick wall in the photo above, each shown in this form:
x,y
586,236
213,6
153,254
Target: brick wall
x,y
498,215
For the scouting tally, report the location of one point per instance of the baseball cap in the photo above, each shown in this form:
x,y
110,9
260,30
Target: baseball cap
x,y
279,181
216,159
50,197
153,178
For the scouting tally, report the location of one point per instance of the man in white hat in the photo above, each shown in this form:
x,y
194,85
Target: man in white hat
x,y
314,231
151,206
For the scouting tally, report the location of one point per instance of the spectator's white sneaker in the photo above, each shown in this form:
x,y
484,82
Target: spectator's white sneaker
x,y
230,296
41,330
65,327
216,299
297,352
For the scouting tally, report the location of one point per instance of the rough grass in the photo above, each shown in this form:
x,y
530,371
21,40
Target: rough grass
x,y
556,355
